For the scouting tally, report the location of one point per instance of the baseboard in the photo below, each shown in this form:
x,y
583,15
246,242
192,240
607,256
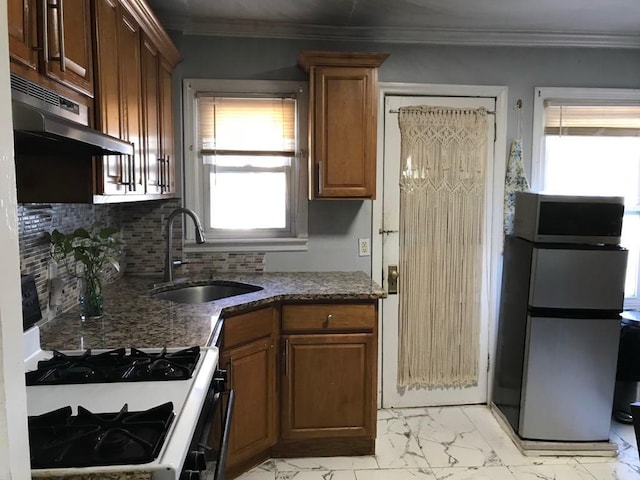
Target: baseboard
x,y
324,447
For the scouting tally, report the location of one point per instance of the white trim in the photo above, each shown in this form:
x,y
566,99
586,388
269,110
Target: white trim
x,y
499,166
249,245
404,35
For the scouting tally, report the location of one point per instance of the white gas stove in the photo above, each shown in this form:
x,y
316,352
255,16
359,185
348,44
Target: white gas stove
x,y
191,401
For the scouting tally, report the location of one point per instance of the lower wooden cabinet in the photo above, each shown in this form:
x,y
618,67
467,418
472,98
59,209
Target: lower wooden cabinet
x,y
308,391
249,356
328,386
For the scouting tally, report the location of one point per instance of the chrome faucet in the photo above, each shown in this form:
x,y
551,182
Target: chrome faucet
x,y
169,262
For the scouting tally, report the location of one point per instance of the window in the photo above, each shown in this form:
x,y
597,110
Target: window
x,y
245,171
587,142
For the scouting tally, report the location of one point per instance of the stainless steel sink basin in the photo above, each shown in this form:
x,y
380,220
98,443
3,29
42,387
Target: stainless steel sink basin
x,y
206,293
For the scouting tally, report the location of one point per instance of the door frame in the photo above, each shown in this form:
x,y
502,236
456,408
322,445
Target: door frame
x,y
499,170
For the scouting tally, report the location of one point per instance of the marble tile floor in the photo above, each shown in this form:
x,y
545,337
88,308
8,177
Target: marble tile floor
x,y
453,443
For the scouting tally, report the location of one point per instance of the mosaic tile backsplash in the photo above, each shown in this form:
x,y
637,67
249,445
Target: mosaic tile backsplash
x,y
143,231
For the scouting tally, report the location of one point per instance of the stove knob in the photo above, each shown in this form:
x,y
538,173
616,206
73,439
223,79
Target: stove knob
x,y
195,461
190,475
220,380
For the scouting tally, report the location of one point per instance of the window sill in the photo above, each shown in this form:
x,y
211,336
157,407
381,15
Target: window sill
x,y
248,245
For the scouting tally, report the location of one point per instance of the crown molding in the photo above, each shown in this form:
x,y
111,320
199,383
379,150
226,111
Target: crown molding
x,y
404,35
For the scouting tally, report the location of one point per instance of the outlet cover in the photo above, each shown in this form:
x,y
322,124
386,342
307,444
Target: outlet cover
x,y
364,249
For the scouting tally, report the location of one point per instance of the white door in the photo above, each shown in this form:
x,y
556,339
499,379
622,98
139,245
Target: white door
x,y
392,396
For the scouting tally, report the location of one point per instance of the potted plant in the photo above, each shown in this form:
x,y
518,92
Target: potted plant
x,y
86,253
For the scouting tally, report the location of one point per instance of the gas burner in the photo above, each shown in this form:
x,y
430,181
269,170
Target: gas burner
x,y
59,440
114,366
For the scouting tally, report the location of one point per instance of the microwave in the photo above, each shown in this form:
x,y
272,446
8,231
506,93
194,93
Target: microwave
x,y
550,218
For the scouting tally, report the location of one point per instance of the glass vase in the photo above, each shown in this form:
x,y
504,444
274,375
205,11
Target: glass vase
x,y
90,296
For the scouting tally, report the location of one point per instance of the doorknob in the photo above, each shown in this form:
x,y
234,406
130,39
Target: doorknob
x,y
392,279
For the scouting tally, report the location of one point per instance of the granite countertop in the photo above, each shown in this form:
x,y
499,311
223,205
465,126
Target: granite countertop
x,y
133,318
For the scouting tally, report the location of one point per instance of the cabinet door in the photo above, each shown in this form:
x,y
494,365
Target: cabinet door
x,y
68,57
22,24
328,387
113,178
344,132
131,95
251,369
151,116
168,163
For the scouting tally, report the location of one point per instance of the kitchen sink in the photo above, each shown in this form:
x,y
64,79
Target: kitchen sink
x,y
206,293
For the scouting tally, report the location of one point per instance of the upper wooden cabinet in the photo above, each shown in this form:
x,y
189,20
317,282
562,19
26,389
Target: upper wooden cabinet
x,y
135,98
118,94
343,106
120,44
22,33
52,40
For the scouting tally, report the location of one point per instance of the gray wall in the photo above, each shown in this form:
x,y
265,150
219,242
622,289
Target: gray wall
x,y
334,227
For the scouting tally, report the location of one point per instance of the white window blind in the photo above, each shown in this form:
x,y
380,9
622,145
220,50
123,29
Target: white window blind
x,y
590,120
231,126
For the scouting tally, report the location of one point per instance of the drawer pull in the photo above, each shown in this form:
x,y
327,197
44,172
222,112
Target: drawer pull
x,y
329,317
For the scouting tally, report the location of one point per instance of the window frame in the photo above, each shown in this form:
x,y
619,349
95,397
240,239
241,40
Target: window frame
x,y
585,96
195,192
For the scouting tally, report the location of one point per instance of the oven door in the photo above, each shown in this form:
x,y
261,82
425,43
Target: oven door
x,y
207,452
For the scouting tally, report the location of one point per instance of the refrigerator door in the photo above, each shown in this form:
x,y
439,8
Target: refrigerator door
x,y
569,378
585,278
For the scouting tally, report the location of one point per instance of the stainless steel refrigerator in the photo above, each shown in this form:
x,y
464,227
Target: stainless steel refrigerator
x,y
558,336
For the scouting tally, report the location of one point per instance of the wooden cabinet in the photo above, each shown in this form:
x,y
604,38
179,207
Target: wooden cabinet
x,y
68,44
249,356
329,368
343,126
167,152
135,87
133,60
52,41
151,116
317,397
22,33
158,121
118,96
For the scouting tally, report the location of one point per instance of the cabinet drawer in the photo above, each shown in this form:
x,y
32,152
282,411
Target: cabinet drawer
x,y
328,317
249,326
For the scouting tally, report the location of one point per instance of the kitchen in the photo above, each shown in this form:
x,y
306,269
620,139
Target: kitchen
x,y
335,227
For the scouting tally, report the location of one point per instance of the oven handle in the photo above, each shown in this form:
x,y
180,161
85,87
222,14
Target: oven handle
x,y
224,447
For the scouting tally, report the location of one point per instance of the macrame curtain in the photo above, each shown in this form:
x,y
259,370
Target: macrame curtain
x,y
442,189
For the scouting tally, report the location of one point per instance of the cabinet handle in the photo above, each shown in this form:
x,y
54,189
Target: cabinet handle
x,y
159,168
62,59
45,28
60,33
286,357
124,171
329,317
230,373
132,171
166,173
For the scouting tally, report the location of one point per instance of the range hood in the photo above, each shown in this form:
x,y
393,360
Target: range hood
x,y
44,122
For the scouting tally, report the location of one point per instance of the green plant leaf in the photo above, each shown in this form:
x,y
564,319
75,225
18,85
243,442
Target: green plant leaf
x,y
81,233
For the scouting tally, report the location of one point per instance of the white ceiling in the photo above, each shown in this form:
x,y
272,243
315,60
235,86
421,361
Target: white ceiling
x,y
516,22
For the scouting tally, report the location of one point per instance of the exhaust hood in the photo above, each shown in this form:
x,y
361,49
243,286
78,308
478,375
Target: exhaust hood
x,y
44,122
